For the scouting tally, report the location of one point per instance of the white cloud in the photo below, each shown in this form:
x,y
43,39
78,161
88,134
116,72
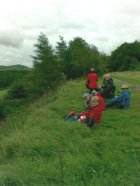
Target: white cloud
x,y
105,24
11,38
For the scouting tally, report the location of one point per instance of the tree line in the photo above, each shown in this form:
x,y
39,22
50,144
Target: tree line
x,y
52,66
7,77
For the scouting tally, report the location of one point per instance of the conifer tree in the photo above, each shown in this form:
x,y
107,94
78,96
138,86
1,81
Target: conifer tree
x,y
46,66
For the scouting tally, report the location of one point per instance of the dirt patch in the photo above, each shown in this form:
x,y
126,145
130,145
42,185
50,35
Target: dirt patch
x,y
134,86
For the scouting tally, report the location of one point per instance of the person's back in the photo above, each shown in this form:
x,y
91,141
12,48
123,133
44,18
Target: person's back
x,y
92,79
108,83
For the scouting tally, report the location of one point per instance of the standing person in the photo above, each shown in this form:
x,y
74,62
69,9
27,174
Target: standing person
x,y
92,79
122,101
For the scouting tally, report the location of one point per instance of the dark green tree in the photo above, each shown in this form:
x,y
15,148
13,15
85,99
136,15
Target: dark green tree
x,y
125,57
61,50
103,63
46,69
80,58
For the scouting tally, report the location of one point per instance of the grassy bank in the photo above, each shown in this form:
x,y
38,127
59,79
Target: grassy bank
x,y
130,77
3,92
39,148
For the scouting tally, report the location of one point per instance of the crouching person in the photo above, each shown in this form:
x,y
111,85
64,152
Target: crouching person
x,y
122,101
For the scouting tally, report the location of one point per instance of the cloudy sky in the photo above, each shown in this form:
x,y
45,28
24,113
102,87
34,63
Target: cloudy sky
x,y
104,23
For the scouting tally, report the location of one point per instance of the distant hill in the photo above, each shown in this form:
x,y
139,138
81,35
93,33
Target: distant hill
x,y
14,67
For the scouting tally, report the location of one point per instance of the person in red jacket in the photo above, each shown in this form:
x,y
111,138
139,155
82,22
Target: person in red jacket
x,y
92,78
101,99
93,114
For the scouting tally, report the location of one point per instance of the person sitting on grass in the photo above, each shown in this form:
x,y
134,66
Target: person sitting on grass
x,y
107,88
86,98
122,101
101,99
90,117
93,114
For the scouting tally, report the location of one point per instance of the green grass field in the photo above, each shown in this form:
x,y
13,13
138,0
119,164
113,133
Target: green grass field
x,y
130,77
38,148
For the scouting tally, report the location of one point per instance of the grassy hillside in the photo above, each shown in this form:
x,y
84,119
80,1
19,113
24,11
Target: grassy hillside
x,y
130,77
39,148
14,67
2,93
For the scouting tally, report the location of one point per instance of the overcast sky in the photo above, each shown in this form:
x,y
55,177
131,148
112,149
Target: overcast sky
x,y
103,23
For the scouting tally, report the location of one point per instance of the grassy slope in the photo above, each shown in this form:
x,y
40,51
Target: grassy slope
x,y
3,93
130,77
39,148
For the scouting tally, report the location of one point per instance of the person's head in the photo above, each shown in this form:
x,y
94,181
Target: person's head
x,y
124,87
86,96
94,92
92,70
94,101
106,76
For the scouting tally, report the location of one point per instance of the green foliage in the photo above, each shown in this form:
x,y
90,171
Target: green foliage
x,y
80,57
46,70
61,51
125,57
7,77
103,63
17,91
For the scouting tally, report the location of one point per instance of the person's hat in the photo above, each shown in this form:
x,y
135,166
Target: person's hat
x,y
124,87
94,92
94,101
85,95
92,69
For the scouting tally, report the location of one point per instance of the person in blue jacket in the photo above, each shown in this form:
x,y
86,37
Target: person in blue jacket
x,y
121,101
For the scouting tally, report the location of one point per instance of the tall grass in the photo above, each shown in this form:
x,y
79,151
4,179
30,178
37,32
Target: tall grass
x,y
3,92
39,148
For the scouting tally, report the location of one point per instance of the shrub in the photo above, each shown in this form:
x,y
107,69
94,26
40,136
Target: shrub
x,y
17,91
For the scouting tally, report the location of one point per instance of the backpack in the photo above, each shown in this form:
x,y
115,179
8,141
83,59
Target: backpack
x,y
71,116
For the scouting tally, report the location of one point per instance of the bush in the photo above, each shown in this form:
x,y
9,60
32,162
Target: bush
x,y
7,77
17,91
